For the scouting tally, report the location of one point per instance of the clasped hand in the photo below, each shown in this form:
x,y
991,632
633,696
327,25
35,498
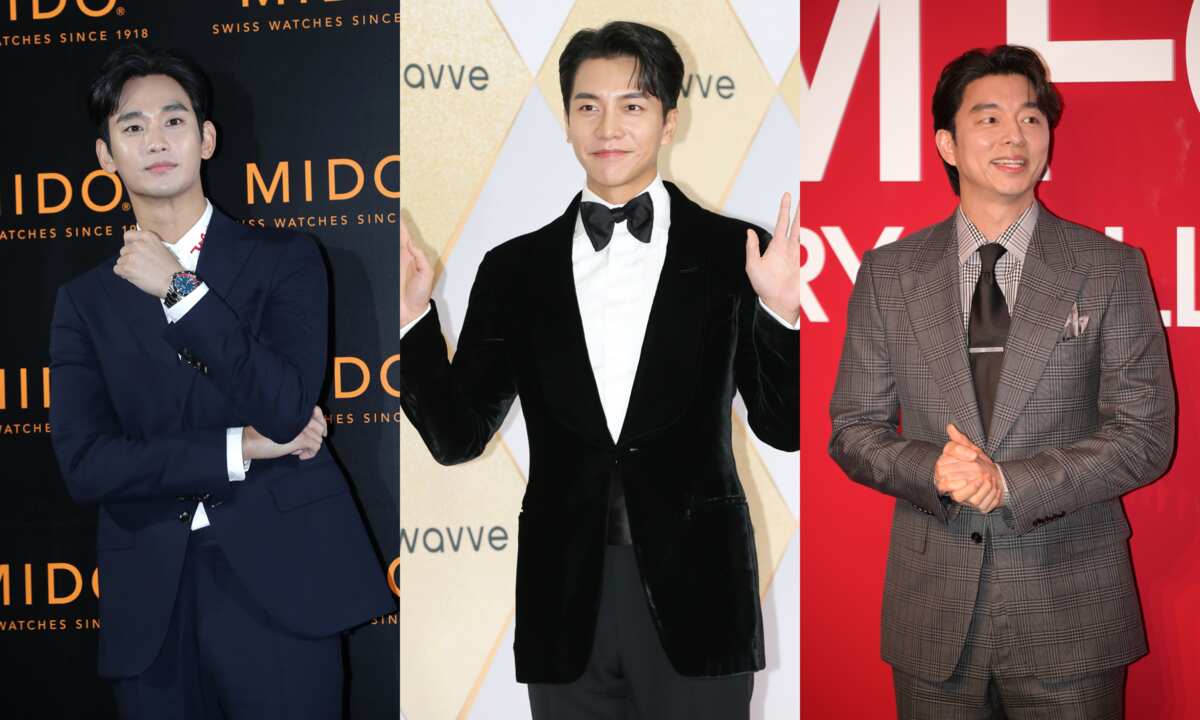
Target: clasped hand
x,y
967,475
146,262
305,445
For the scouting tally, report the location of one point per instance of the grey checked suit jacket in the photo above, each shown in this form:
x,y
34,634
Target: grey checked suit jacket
x,y
1080,419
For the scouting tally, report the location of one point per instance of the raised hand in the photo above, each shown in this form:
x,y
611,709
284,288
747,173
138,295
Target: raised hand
x,y
146,262
775,274
416,278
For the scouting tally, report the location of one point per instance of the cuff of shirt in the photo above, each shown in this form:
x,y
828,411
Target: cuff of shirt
x,y
785,323
1003,485
235,467
179,309
405,328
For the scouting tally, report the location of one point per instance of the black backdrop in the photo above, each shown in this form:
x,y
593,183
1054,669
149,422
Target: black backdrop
x,y
306,103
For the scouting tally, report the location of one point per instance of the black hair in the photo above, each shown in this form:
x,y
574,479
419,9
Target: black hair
x,y
658,66
132,61
978,63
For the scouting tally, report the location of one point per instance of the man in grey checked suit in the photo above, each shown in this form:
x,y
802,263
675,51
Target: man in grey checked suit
x,y
1005,377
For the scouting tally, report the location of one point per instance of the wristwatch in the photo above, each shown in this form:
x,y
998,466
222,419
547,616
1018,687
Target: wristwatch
x,y
182,284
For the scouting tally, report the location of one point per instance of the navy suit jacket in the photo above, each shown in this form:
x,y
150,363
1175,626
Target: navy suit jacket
x,y
141,434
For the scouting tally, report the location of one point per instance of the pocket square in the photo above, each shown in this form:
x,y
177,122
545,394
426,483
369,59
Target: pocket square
x,y
1075,325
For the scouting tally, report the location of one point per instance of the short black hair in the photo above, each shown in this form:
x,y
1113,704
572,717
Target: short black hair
x,y
658,66
133,60
978,63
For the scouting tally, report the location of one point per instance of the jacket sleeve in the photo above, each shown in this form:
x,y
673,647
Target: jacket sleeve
x,y
98,460
457,407
1136,403
767,370
271,379
865,411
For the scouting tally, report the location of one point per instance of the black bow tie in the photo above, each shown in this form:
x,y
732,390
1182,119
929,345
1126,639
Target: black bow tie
x,y
598,220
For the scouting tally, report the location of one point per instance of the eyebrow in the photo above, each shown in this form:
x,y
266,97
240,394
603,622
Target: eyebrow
x,y
171,107
636,94
994,106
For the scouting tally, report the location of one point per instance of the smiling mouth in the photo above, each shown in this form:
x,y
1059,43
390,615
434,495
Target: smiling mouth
x,y
1011,164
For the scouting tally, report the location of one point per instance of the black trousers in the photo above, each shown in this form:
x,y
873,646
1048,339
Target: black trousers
x,y
628,676
223,658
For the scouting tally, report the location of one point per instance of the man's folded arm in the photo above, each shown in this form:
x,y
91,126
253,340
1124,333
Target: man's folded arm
x,y
864,411
457,407
1136,401
271,379
100,462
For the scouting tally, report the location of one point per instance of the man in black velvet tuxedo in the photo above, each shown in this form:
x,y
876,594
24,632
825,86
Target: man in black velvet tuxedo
x,y
626,325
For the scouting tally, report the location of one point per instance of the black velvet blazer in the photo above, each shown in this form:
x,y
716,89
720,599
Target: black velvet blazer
x,y
707,337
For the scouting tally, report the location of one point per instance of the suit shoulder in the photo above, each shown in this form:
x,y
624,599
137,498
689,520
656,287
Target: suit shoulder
x,y
899,253
1095,247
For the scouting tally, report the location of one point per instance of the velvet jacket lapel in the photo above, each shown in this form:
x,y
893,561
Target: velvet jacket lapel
x,y
664,382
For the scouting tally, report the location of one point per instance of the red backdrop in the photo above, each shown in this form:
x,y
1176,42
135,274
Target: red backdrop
x,y
1127,156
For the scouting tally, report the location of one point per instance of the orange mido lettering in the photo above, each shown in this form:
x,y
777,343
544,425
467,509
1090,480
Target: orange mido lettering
x,y
38,9
392,576
23,388
339,389
52,595
46,180
280,183
54,572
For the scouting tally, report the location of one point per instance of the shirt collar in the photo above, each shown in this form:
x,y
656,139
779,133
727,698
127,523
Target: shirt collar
x,y
187,248
660,199
1015,238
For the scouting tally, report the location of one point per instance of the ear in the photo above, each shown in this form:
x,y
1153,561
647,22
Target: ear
x,y
945,145
208,140
670,122
104,156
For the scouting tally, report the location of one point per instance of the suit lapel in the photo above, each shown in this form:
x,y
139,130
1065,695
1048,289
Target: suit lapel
x,y
1049,284
224,254
560,349
933,298
666,372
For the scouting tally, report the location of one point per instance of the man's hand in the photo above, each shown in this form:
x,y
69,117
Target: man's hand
x,y
775,275
146,262
305,445
966,474
416,278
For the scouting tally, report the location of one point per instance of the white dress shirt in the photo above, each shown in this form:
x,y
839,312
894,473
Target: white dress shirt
x,y
187,251
616,288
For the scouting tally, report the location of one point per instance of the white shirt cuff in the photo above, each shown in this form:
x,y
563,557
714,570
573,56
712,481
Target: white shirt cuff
x,y
1003,486
179,309
405,328
235,467
785,323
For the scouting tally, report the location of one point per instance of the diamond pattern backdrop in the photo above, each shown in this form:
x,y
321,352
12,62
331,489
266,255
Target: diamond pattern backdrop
x,y
484,158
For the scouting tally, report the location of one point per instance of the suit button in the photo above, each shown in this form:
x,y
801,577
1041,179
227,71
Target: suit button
x,y
976,537
185,516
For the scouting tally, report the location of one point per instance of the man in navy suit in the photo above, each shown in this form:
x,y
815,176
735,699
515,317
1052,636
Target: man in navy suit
x,y
186,376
